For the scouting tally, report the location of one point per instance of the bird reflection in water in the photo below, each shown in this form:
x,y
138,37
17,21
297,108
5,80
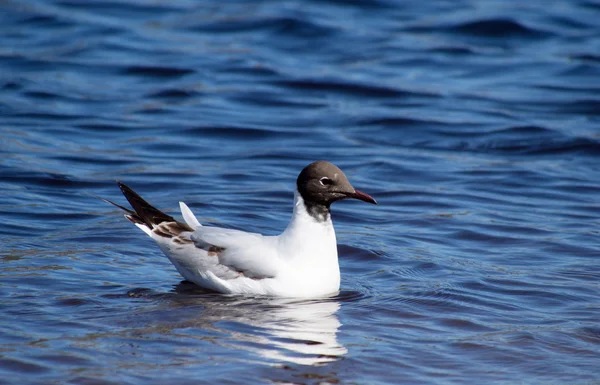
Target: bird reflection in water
x,y
298,331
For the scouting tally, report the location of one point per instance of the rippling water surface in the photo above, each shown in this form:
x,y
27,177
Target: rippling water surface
x,y
475,124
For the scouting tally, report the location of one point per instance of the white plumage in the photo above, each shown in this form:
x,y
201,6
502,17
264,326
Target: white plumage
x,y
300,262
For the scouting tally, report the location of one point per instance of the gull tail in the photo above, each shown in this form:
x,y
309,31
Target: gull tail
x,y
144,215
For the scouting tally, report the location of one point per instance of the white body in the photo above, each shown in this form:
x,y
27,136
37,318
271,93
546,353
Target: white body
x,y
300,262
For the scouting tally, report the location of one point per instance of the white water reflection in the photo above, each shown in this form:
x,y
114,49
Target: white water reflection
x,y
281,330
300,332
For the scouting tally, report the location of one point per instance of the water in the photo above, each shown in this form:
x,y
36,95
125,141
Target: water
x,y
475,124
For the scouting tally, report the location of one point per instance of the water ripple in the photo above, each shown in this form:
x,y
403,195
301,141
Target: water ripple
x,y
475,126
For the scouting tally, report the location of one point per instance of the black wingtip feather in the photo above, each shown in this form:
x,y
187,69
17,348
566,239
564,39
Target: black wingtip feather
x,y
131,215
149,214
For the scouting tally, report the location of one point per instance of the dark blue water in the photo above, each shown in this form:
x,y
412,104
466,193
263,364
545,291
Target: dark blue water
x,y
475,124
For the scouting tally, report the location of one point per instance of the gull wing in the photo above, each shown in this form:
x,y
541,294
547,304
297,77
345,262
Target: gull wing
x,y
252,254
208,256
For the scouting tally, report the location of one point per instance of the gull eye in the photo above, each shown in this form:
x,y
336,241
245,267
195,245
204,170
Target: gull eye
x,y
326,181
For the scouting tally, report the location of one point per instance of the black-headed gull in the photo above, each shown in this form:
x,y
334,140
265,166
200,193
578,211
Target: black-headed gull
x,y
300,262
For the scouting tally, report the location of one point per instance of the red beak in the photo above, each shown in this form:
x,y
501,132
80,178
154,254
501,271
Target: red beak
x,y
362,196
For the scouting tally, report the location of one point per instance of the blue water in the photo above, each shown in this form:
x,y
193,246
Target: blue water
x,y
475,124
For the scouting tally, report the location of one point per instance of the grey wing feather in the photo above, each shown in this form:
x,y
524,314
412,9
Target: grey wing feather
x,y
252,254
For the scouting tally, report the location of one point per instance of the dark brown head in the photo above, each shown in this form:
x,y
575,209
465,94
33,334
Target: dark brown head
x,y
322,183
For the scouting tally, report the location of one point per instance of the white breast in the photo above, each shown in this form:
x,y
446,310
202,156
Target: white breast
x,y
308,249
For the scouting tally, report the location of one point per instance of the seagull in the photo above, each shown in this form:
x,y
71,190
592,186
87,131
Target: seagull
x,y
301,262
